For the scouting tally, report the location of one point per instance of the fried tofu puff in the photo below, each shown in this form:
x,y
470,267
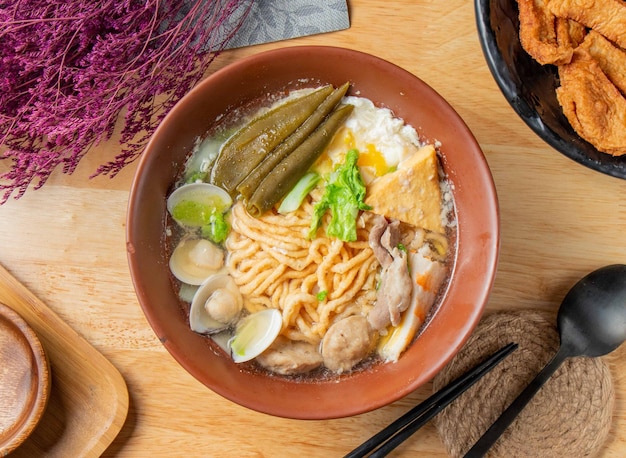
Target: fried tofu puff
x,y
584,38
594,106
547,38
607,17
611,58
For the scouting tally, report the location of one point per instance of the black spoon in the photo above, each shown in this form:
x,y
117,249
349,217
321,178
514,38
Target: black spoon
x,y
591,322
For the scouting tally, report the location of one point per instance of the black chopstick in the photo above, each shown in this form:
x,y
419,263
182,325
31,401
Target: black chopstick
x,y
398,431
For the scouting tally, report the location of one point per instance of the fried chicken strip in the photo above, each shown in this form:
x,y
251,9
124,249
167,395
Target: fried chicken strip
x,y
607,17
546,38
593,105
612,59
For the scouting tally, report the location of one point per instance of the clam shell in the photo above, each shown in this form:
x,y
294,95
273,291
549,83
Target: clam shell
x,y
200,320
201,193
195,259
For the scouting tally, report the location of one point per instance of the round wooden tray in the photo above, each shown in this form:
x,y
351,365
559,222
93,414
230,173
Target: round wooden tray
x,y
24,380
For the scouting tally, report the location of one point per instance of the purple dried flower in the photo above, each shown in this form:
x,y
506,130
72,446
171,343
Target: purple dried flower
x,y
68,68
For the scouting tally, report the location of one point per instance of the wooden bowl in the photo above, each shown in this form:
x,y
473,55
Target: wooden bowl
x,y
387,85
24,380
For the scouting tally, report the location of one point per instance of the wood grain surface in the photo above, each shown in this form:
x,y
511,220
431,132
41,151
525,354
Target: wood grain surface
x,y
24,379
87,396
66,243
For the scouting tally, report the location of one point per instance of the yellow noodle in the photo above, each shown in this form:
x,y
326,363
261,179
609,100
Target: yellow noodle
x,y
337,305
275,265
355,277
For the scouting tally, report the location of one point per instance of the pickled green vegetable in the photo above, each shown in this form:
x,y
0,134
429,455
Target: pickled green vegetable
x,y
289,171
251,182
247,147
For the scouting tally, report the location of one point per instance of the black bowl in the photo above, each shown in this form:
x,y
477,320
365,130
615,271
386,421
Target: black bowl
x,y
529,87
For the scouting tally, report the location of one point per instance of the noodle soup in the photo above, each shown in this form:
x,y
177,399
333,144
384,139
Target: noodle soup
x,y
352,275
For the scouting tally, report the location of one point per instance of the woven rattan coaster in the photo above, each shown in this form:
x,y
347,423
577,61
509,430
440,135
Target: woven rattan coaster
x,y
569,417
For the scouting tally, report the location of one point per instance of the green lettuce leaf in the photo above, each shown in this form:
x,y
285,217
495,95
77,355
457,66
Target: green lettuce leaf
x,y
344,196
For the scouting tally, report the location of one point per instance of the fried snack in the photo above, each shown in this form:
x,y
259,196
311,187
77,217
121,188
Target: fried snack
x,y
416,181
593,105
544,37
569,33
612,59
607,17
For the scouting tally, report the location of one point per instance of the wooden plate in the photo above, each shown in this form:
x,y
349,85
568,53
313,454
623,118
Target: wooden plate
x,y
88,397
24,380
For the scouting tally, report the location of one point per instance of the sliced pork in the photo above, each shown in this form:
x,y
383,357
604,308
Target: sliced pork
x,y
394,295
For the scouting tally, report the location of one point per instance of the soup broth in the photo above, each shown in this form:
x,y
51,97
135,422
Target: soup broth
x,y
353,281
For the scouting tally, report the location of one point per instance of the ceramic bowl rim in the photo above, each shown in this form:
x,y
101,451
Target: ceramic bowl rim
x,y
364,390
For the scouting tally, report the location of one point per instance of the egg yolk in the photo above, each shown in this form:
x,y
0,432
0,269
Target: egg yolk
x,y
371,157
344,141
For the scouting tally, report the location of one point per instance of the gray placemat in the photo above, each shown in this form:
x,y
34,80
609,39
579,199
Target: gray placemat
x,y
275,20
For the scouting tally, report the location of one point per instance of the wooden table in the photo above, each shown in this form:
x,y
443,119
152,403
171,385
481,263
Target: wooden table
x,y
66,243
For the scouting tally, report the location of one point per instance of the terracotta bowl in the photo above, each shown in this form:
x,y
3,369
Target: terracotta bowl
x,y
529,87
386,85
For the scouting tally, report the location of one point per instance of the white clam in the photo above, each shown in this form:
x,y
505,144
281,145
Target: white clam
x,y
193,260
205,195
254,334
216,305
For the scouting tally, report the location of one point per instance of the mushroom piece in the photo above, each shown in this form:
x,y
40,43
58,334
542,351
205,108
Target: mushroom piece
x,y
216,305
193,260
